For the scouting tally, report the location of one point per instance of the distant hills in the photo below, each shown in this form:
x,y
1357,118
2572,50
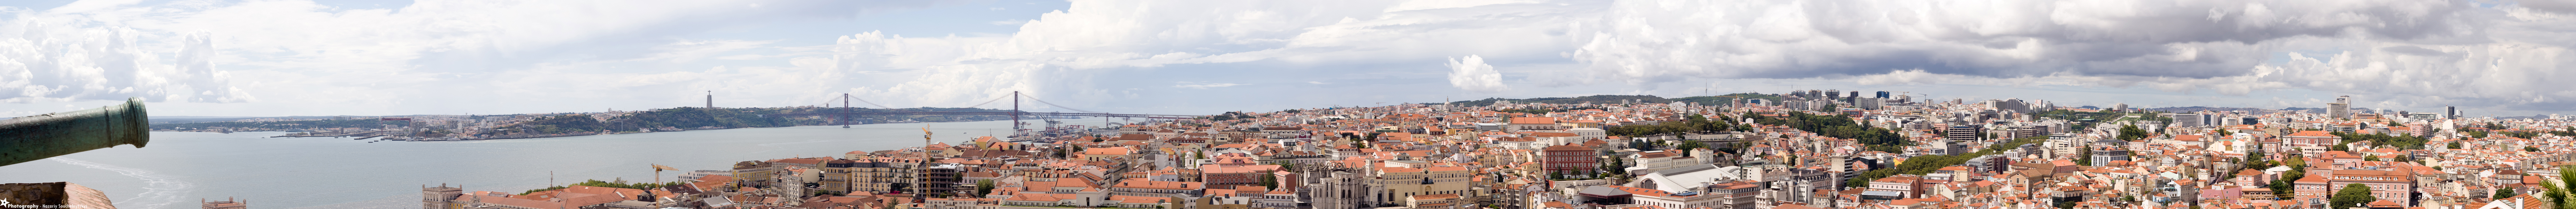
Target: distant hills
x,y
1614,99
681,117
202,119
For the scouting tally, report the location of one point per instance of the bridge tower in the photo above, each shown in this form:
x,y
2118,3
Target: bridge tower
x,y
845,110
1015,114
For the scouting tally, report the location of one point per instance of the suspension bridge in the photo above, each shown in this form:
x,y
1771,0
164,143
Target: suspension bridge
x,y
847,111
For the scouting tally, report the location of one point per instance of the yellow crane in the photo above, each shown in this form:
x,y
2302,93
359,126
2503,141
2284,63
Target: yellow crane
x,y
657,172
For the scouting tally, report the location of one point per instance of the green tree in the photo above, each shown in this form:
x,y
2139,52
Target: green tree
x,y
1684,147
1837,126
983,187
2455,145
2502,193
2084,156
2370,158
1268,181
2556,192
1919,165
2352,195
2132,133
2531,149
1618,165
2280,189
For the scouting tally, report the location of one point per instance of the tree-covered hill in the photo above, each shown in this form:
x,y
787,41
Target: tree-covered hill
x,y
680,117
1725,100
696,117
303,124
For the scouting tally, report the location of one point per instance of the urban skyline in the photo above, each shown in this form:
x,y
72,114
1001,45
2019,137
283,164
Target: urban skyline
x,y
1288,104
280,58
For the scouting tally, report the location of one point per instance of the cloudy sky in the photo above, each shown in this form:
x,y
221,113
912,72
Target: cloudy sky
x,y
299,57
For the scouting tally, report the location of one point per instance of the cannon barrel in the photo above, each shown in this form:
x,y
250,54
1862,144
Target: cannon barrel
x,y
47,135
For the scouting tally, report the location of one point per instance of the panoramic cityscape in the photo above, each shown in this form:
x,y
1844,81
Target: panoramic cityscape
x,y
1403,104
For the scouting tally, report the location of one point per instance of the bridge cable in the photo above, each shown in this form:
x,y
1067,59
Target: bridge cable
x,y
890,108
995,99
1041,101
863,101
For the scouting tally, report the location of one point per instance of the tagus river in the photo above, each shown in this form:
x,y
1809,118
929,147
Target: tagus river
x,y
176,169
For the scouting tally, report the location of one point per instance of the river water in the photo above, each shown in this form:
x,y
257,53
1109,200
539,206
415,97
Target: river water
x,y
323,172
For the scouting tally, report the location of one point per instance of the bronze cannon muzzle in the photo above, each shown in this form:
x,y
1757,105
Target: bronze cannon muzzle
x,y
47,135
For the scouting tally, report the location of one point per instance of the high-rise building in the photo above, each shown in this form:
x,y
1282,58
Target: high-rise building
x,y
2190,120
2450,112
2120,107
2015,105
1882,94
1815,94
1835,95
1854,98
2341,108
1964,133
1867,103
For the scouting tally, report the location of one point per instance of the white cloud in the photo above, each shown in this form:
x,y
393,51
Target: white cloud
x,y
60,64
1204,85
308,58
2168,45
1317,82
1061,50
2431,53
685,51
1472,74
2423,52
